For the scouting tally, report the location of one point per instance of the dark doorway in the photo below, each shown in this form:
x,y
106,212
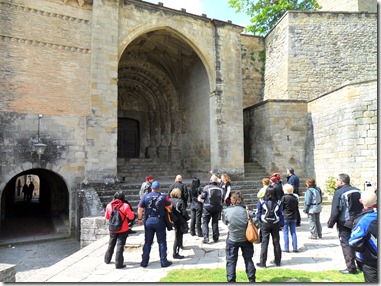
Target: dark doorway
x,y
44,212
128,138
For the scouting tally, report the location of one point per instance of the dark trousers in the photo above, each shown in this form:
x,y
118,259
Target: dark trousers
x,y
273,230
178,242
151,226
349,254
196,214
118,239
211,212
370,273
247,250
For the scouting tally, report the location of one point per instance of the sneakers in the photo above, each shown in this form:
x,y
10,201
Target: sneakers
x,y
346,271
263,265
120,267
168,263
178,256
312,237
144,265
205,240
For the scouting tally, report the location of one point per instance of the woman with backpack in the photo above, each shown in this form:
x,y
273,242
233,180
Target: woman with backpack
x,y
118,213
269,212
312,207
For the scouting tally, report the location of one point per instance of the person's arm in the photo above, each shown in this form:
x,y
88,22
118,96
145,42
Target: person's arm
x,y
335,210
140,215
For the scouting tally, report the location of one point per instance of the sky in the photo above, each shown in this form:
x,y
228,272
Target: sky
x,y
217,9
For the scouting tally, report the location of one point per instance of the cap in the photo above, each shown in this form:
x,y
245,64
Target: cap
x,y
275,178
148,178
155,185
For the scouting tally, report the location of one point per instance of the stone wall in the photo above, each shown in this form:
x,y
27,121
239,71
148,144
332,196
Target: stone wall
x,y
310,53
277,131
343,138
253,68
92,229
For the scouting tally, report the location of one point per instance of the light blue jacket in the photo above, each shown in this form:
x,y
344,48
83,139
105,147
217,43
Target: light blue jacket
x,y
312,202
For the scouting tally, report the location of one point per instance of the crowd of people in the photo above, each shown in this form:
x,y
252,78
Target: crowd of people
x,y
353,211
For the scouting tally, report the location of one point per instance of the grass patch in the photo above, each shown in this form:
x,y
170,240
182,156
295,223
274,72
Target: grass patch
x,y
262,275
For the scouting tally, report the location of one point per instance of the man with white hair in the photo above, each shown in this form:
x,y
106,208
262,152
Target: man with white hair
x,y
364,234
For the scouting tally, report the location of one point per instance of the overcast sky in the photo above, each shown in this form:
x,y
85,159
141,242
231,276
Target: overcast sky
x,y
217,9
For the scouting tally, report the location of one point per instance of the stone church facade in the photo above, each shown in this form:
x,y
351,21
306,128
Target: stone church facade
x,y
112,87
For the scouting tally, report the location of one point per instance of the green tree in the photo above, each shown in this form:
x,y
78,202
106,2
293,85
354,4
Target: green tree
x,y
266,13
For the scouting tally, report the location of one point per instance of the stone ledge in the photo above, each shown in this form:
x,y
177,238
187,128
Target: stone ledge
x,y
7,272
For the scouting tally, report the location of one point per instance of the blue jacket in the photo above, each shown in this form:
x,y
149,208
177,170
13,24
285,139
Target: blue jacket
x,y
312,201
363,238
263,210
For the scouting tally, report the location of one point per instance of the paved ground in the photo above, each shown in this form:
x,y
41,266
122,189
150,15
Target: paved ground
x,y
60,261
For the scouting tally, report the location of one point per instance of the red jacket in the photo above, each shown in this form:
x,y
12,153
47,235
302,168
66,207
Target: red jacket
x,y
124,209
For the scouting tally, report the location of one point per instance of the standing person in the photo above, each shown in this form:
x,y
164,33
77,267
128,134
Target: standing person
x,y
235,218
212,196
118,238
181,225
262,191
312,207
184,190
289,206
154,204
277,184
226,186
345,206
270,214
146,186
196,208
25,191
30,191
293,180
364,235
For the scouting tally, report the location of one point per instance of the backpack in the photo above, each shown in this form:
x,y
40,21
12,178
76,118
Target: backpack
x,y
115,222
271,208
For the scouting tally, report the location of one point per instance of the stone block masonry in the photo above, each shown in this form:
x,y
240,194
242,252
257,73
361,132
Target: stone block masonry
x,y
344,139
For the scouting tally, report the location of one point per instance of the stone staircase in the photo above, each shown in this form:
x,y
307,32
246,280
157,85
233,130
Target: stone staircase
x,y
136,169
139,168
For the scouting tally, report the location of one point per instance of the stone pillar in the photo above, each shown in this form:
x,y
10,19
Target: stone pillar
x,y
226,103
101,133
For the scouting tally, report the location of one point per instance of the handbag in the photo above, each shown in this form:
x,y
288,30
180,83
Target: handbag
x,y
251,230
168,218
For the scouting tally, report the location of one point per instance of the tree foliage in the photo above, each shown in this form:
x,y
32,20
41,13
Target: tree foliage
x,y
266,13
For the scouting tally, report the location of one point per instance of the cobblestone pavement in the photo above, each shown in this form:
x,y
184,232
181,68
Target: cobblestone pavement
x,y
59,261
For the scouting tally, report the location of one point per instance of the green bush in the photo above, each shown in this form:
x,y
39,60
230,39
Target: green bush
x,y
330,185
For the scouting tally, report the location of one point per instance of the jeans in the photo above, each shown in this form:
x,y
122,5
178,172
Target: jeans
x,y
196,214
315,225
290,224
118,239
151,226
247,250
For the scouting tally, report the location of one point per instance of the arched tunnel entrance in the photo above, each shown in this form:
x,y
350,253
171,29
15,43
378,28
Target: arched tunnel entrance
x,y
163,105
34,203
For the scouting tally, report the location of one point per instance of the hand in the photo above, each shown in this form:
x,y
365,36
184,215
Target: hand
x,y
140,222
